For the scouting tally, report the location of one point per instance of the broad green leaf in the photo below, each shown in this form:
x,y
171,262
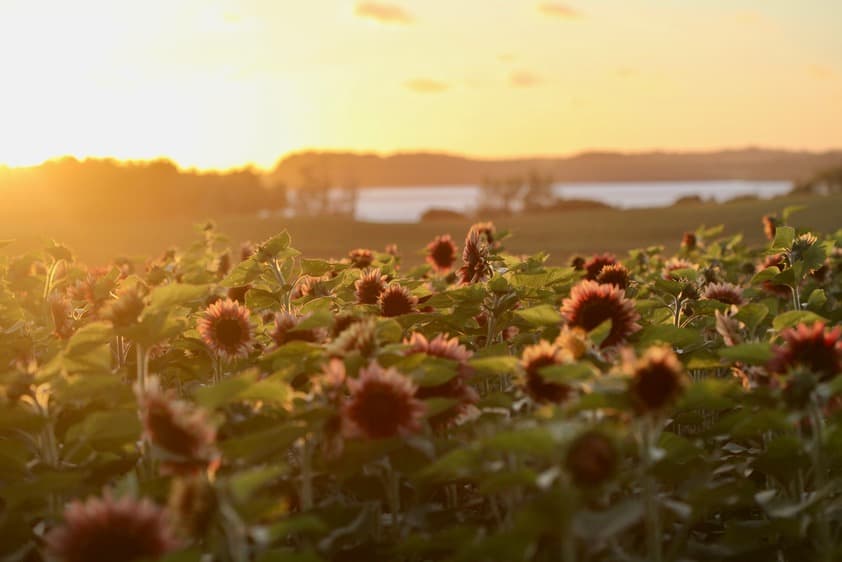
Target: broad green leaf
x,y
176,294
750,353
678,337
784,236
541,315
794,317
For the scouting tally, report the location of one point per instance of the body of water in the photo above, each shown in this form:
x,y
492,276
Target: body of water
x,y
407,204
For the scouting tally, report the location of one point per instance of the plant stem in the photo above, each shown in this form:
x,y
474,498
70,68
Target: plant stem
x,y
306,474
653,520
142,366
825,547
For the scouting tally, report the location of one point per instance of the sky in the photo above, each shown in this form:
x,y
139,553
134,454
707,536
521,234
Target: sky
x,y
227,83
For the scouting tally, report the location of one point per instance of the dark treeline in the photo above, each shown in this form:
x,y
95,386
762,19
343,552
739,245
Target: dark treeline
x,y
109,190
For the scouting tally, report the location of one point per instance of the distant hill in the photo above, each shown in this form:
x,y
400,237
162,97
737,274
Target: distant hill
x,y
408,169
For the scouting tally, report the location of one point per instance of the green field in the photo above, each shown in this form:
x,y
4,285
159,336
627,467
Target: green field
x,y
559,234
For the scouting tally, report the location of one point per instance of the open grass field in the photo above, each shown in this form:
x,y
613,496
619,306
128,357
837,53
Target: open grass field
x,y
559,234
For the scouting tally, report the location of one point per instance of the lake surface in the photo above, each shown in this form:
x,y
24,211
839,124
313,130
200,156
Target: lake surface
x,y
407,204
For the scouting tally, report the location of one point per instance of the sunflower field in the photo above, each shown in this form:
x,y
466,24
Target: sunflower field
x,y
482,406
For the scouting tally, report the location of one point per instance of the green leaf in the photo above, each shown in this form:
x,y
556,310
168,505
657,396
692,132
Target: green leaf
x,y
228,390
316,268
601,332
176,294
264,444
107,430
567,373
499,365
678,337
752,315
244,484
791,210
708,394
750,353
817,299
794,317
601,525
243,273
541,315
784,236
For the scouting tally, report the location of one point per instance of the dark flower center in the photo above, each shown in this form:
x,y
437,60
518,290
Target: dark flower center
x,y
229,332
656,386
379,411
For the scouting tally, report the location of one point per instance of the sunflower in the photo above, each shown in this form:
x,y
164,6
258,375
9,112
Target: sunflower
x,y
125,310
614,274
657,379
226,330
770,226
396,301
360,336
594,265
456,388
590,304
724,292
178,429
369,286
487,230
535,357
382,405
573,341
286,329
592,458
107,529
361,257
689,241
441,253
815,348
61,313
476,267
676,264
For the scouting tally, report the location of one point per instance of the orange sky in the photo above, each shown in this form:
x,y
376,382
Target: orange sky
x,y
216,84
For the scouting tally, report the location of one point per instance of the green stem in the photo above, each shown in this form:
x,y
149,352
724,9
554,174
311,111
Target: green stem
x,y
653,519
823,528
142,366
306,474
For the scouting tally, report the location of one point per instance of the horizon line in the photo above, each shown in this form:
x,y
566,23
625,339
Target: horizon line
x,y
253,166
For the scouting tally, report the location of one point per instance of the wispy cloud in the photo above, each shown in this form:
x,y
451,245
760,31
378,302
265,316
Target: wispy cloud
x,y
524,79
383,13
426,85
559,10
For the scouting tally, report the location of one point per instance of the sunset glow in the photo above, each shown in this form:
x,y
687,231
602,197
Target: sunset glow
x,y
217,84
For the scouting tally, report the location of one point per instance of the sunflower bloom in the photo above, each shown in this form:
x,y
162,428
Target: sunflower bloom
x,y
592,459
441,253
815,348
382,405
226,330
396,301
107,529
590,304
535,357
724,292
180,430
657,380
370,286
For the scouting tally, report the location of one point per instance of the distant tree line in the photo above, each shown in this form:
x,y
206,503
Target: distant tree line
x,y
826,182
108,190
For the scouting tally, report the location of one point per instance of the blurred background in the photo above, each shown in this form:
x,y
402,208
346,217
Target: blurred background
x,y
581,125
